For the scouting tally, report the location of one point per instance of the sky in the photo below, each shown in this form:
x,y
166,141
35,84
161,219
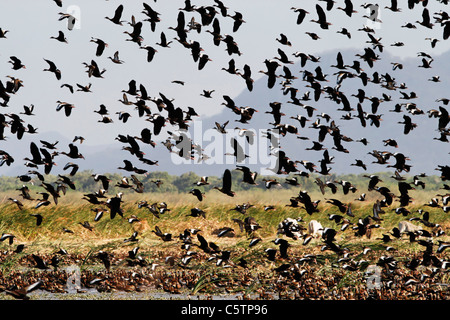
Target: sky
x,y
29,40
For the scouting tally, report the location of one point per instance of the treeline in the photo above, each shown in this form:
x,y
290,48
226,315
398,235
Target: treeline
x,y
84,182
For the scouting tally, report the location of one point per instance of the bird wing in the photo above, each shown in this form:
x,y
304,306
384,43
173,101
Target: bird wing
x,y
35,153
321,13
227,180
51,64
118,12
203,242
239,152
425,16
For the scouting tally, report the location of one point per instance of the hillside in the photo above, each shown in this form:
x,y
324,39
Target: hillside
x,y
419,145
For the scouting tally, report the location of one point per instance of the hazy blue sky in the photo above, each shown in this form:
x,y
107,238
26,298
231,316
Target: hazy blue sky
x,y
32,23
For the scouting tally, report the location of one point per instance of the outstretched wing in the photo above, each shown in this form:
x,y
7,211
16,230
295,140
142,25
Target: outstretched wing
x,y
227,180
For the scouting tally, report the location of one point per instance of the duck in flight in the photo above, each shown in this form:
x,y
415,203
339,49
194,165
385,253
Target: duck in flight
x,y
226,184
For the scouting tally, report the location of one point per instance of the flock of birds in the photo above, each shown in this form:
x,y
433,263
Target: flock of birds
x,y
200,19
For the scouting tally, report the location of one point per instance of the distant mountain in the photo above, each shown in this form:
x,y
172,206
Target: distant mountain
x,y
424,152
419,145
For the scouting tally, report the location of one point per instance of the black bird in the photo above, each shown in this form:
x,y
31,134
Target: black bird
x,y
114,204
217,37
117,15
408,124
7,236
42,203
40,263
52,191
426,22
19,248
22,293
202,182
204,245
197,212
238,151
197,193
115,58
132,238
61,37
322,18
225,231
38,217
101,45
374,179
164,43
283,58
341,206
238,20
442,245
231,67
345,32
394,6
271,66
84,88
247,75
68,86
53,68
271,254
153,16
276,112
223,9
359,163
86,225
28,110
16,63
249,176
70,19
348,9
330,4
203,60
150,52
103,179
66,106
135,34
105,258
73,152
339,62
226,184
283,247
446,30
17,202
2,33
301,14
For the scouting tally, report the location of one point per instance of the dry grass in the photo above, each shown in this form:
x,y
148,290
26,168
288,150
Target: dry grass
x,y
70,211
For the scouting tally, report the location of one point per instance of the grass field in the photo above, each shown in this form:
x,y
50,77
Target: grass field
x,y
109,235
72,210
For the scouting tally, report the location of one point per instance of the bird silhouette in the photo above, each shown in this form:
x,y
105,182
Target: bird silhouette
x,y
52,68
322,18
117,16
226,184
238,151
